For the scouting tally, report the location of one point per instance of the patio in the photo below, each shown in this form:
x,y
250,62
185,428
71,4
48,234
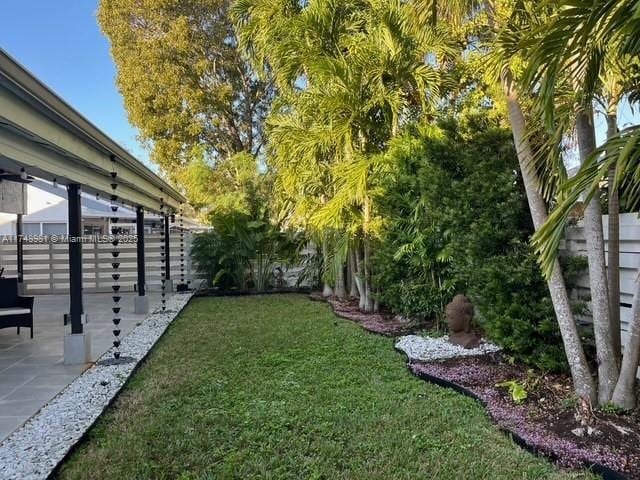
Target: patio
x,y
32,371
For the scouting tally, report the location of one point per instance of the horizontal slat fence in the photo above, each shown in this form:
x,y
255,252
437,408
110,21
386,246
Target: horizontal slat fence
x,y
46,264
575,243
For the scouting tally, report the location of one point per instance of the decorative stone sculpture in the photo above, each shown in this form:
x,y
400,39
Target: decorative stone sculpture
x,y
459,316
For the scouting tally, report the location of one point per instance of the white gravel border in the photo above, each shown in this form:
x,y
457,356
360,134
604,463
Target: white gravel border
x,y
429,349
36,448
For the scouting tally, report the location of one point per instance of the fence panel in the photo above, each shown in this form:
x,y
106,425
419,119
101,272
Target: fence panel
x,y
575,244
46,264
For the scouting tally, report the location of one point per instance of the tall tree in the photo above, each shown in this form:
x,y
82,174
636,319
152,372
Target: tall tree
x,y
614,87
185,85
594,235
348,73
581,39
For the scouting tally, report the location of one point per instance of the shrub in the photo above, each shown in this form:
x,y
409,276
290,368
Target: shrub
x,y
411,261
245,244
514,308
242,252
458,222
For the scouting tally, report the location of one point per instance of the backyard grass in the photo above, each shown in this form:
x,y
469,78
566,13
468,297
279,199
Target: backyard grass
x,y
278,387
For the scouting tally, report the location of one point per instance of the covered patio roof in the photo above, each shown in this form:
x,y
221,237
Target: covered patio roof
x,y
43,136
47,137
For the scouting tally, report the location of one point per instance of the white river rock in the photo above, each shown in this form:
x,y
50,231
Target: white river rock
x,y
36,448
428,349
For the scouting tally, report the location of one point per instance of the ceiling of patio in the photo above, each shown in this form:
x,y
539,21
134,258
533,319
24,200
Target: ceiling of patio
x,y
43,134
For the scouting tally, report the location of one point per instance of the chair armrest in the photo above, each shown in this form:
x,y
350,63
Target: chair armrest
x,y
25,302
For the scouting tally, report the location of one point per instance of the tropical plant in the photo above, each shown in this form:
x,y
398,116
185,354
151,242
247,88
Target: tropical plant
x,y
504,23
456,221
348,74
223,253
516,389
578,46
246,242
241,252
206,254
412,260
615,85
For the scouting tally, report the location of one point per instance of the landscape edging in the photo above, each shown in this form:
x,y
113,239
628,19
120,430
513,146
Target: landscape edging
x,y
140,362
602,470
606,472
340,315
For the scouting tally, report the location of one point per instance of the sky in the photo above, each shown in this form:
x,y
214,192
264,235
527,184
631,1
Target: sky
x,y
60,43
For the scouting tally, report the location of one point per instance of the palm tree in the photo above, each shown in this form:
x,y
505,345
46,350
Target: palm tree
x,y
582,39
613,83
594,235
348,72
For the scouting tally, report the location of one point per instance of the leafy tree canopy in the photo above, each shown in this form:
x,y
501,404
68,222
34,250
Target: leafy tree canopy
x,y
185,85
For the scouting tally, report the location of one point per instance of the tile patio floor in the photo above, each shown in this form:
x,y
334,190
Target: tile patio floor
x,y
32,371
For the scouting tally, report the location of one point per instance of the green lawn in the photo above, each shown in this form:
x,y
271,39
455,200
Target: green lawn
x,y
278,387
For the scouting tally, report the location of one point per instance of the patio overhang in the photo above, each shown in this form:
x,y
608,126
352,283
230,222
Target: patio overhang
x,y
43,134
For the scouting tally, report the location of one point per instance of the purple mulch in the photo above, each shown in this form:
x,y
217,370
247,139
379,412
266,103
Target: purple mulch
x,y
389,325
516,418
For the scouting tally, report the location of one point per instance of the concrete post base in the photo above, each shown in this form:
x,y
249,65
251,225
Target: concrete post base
x,y
168,286
77,348
83,318
21,288
141,304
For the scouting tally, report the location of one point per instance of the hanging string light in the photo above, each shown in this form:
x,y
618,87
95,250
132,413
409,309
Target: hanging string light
x,y
163,259
115,253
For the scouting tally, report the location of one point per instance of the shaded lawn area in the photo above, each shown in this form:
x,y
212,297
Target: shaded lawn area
x,y
278,387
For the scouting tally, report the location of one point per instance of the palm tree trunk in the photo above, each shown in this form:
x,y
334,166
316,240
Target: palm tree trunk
x,y
360,279
607,365
366,270
327,291
339,289
580,373
624,395
366,264
348,272
613,270
353,293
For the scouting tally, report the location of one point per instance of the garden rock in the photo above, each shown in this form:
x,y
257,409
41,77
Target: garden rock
x,y
429,349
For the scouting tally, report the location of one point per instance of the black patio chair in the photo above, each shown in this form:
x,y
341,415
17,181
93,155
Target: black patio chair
x,y
15,310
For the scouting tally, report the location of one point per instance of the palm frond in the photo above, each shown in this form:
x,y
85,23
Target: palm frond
x,y
621,151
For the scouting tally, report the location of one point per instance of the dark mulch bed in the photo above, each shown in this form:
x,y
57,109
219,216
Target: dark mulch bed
x,y
382,323
545,420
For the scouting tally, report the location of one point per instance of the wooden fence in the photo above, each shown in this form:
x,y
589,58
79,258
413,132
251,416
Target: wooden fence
x,y
46,264
629,260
